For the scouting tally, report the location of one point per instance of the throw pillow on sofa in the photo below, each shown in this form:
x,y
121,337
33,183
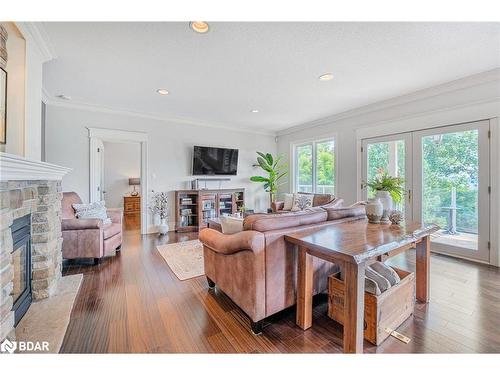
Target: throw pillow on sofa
x,y
231,224
342,212
302,201
96,210
287,202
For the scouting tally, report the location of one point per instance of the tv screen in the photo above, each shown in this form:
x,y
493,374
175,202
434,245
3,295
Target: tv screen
x,y
214,161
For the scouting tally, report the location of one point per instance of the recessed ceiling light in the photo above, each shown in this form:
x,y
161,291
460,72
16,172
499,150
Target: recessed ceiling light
x,y
162,91
326,77
254,111
64,97
199,26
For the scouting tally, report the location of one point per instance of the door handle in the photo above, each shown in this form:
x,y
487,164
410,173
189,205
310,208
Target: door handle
x,y
409,195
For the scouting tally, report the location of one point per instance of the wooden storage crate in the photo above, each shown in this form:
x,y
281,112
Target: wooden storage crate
x,y
383,313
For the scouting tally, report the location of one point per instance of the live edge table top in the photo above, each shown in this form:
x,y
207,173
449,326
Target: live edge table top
x,y
359,241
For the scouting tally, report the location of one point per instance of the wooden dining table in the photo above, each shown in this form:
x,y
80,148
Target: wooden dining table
x,y
353,246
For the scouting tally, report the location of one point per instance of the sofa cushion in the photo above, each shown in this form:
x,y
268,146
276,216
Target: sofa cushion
x,y
335,203
302,201
342,212
109,230
322,199
263,223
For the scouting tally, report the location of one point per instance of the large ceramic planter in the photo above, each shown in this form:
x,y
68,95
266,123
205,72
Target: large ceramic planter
x,y
163,227
374,211
386,200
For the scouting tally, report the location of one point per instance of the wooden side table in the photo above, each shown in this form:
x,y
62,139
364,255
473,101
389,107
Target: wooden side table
x,y
131,205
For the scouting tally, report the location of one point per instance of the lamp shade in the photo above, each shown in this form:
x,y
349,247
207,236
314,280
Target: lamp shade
x,y
134,181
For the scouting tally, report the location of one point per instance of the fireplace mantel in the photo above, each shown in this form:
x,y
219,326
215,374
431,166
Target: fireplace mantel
x,y
18,168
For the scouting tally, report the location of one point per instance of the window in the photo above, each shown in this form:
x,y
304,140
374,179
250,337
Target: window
x,y
315,167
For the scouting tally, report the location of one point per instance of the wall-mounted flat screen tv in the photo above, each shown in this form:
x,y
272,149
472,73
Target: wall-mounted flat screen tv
x,y
214,161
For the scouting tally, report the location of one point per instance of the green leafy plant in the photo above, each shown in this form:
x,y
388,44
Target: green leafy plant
x,y
275,169
384,182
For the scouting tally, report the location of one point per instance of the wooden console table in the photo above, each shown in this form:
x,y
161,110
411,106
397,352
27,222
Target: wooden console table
x,y
353,246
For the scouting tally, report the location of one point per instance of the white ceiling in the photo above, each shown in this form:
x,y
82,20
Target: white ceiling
x,y
219,77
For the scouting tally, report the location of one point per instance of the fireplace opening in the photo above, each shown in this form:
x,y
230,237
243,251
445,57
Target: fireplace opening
x,y
21,255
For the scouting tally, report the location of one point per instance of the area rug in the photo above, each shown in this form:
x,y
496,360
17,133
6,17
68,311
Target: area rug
x,y
185,259
48,319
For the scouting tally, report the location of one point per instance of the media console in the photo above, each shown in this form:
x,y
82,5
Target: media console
x,y
193,208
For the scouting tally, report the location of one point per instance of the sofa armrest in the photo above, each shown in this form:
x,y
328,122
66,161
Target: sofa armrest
x,y
80,224
277,206
232,243
115,214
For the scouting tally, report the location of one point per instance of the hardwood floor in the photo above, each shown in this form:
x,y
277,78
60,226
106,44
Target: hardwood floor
x,y
132,302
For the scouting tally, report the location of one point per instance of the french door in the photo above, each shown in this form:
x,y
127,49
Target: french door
x,y
447,179
391,154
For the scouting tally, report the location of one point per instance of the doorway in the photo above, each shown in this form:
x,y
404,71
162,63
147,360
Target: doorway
x,y
447,182
121,181
114,176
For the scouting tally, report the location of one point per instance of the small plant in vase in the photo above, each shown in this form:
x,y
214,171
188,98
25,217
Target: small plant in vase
x,y
388,189
159,206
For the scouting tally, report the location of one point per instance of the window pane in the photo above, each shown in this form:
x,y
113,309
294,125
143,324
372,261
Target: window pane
x,y
386,157
325,167
304,169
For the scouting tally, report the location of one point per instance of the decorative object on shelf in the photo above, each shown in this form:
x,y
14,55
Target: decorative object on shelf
x,y
374,211
134,182
396,217
388,189
159,206
386,200
275,169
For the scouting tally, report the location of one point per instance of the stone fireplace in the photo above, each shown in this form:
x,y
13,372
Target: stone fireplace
x,y
30,192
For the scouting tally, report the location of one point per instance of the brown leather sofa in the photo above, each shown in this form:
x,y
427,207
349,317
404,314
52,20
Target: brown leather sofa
x,y
257,268
318,200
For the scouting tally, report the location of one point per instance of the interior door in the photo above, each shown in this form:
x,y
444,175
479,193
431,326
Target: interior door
x,y
451,182
391,154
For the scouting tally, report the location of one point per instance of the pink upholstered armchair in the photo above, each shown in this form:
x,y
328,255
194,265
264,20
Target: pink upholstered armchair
x,y
88,238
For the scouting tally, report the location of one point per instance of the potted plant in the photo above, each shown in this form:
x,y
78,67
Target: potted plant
x,y
275,170
388,189
159,206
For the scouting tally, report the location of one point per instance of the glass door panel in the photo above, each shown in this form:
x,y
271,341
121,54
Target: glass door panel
x,y
389,154
304,168
452,179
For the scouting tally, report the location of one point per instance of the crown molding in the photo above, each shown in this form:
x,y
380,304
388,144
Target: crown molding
x,y
18,168
51,100
35,32
448,87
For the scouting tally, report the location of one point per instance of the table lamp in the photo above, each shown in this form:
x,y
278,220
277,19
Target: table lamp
x,y
134,182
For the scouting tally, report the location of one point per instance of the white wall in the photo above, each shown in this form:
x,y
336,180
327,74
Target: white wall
x,y
121,162
169,150
470,99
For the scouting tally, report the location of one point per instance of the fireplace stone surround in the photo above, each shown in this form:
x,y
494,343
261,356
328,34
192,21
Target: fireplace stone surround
x,y
29,188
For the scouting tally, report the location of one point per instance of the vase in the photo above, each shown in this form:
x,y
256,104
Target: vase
x,y
374,211
163,227
386,200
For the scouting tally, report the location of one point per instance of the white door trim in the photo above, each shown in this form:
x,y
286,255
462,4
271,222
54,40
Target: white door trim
x,y
97,135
